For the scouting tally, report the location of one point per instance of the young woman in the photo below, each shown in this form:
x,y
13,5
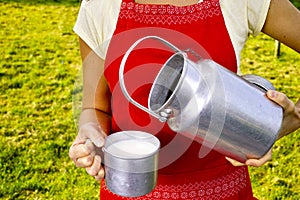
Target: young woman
x,y
217,29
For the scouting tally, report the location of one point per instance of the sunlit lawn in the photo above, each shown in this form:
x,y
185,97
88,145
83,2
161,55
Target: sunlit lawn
x,y
39,66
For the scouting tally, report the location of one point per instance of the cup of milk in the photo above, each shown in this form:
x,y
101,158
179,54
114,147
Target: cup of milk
x,y
131,162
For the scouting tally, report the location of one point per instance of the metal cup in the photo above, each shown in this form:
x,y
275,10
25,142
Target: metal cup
x,y
131,162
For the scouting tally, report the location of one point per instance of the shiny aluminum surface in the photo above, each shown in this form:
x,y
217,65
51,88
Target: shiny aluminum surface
x,y
212,105
131,176
215,106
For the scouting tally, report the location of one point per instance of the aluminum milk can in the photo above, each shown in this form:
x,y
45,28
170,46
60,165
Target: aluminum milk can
x,y
212,105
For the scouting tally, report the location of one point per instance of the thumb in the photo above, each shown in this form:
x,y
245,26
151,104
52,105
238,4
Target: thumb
x,y
93,132
282,100
272,94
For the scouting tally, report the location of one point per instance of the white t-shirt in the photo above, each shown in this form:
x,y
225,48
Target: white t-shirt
x,y
97,21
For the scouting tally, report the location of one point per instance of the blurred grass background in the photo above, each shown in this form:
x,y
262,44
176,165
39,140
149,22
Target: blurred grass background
x,y
39,67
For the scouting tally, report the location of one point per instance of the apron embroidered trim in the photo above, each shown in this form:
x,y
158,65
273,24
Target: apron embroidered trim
x,y
168,14
224,187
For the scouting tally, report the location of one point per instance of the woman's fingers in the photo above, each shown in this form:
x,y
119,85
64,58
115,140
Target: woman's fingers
x,y
86,156
79,150
84,162
291,114
83,154
100,174
94,169
234,162
253,162
259,162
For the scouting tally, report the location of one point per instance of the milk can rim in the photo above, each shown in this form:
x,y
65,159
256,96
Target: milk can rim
x,y
184,55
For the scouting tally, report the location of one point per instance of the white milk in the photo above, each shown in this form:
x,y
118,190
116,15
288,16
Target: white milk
x,y
131,149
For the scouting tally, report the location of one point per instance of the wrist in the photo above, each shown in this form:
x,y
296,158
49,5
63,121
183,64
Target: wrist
x,y
96,118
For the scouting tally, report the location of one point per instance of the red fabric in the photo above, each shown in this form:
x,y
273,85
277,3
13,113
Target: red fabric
x,y
201,27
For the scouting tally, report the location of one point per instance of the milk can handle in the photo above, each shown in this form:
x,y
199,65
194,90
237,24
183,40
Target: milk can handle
x,y
121,74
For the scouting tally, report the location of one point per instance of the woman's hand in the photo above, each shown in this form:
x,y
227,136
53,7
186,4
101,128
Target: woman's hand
x,y
291,112
290,123
253,162
86,149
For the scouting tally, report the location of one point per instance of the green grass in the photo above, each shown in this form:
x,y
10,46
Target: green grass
x,y
279,179
296,3
39,66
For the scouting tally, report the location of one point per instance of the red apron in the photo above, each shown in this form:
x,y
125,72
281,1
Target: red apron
x,y
200,27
